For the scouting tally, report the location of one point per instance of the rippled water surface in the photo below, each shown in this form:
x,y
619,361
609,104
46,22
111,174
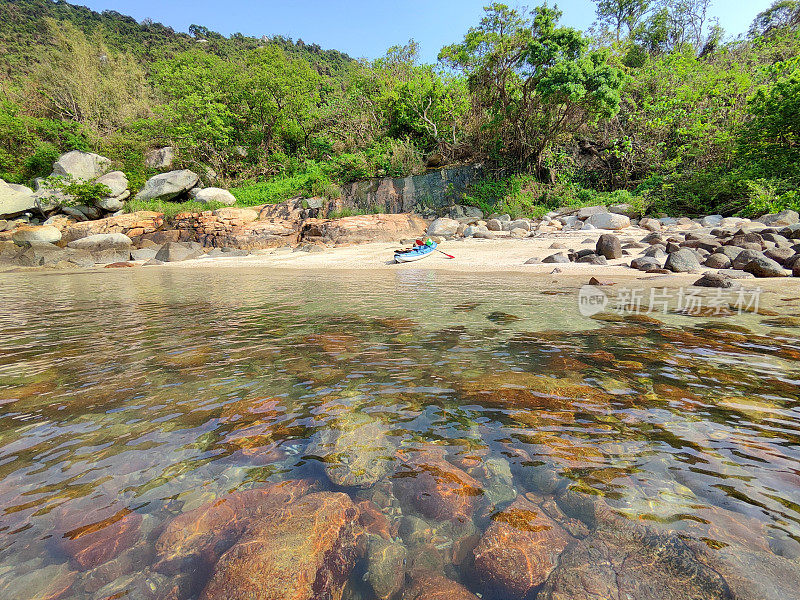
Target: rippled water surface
x,y
252,434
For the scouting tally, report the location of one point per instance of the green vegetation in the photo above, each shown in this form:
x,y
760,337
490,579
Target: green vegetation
x,y
654,106
170,209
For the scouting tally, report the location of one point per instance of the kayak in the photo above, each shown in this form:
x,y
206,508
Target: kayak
x,y
416,253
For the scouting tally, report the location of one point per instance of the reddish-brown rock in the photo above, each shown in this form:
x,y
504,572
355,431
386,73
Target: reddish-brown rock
x,y
202,535
235,228
436,488
436,587
519,550
92,536
373,521
133,225
516,389
304,552
364,229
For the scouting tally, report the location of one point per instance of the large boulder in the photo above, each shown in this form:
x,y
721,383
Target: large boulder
x,y
15,199
102,241
626,559
624,209
305,552
81,165
212,194
762,266
443,227
589,211
784,218
682,261
610,221
105,248
169,186
43,233
364,229
160,158
178,251
609,246
117,182
519,550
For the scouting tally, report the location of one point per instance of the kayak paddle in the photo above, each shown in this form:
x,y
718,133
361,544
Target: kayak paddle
x,y
421,243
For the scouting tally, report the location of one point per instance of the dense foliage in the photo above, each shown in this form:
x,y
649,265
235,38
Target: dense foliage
x,y
654,105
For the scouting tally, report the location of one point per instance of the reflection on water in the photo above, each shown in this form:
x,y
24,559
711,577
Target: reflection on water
x,y
176,434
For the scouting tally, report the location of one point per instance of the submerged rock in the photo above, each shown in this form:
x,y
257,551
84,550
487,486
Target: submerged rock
x,y
430,586
94,536
356,450
626,559
436,488
197,538
385,567
519,550
304,552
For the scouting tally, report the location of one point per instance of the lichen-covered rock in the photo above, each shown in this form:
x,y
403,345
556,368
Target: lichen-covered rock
x,y
160,158
15,199
200,536
46,234
762,266
609,221
519,550
682,261
436,488
169,186
306,551
85,166
443,227
212,194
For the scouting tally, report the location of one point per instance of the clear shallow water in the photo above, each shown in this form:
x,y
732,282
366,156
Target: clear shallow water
x,y
432,401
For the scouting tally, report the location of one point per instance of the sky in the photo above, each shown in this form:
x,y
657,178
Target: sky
x,y
364,28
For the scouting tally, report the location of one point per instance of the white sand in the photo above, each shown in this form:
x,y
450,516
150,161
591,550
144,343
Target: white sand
x,y
501,255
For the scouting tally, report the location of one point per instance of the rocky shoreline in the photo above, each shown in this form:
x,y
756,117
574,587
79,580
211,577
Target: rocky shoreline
x,y
722,249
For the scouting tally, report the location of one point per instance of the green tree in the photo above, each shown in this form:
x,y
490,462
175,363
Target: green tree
x,y
82,80
616,14
280,96
781,15
772,137
197,114
536,81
